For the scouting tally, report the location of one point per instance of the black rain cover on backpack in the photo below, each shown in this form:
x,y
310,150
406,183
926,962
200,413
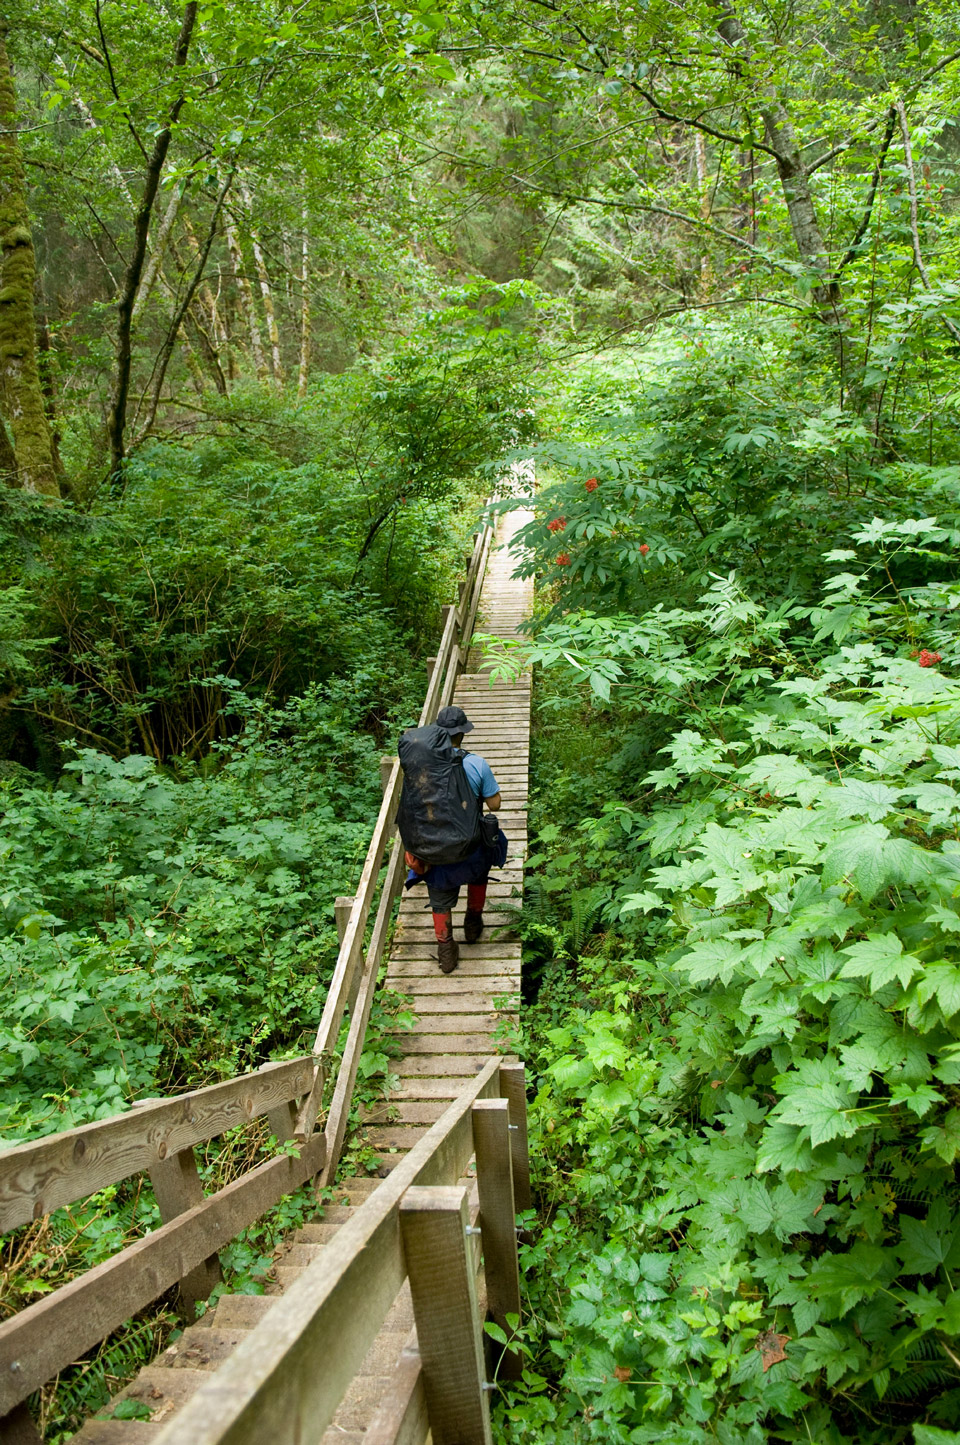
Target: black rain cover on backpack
x,y
439,813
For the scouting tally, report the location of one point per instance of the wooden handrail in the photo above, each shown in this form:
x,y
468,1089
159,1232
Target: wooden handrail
x,y
285,1380
39,1341
49,1173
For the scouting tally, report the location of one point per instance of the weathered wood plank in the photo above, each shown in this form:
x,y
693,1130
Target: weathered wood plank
x,y
42,1339
513,1088
498,1217
448,1065
177,1188
480,1022
271,1389
418,1044
40,1177
394,1136
442,1282
401,1418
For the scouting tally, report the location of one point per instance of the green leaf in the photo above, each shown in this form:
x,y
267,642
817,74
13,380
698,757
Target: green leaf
x,y
941,981
881,959
944,1138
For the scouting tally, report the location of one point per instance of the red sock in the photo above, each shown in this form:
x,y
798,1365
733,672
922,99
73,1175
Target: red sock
x,y
443,926
476,897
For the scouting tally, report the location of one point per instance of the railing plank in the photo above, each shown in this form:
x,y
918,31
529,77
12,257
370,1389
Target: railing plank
x,y
41,1340
271,1387
360,1016
449,1339
349,957
45,1175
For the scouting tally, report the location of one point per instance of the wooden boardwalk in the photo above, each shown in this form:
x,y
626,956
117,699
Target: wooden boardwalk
x,y
462,1018
465,1016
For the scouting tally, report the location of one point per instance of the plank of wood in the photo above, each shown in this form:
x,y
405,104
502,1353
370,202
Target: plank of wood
x,y
513,1088
417,1044
401,1418
177,1188
449,985
442,1282
431,1005
42,1339
418,1111
480,952
449,1065
423,1087
270,1388
483,1021
498,1217
37,1178
394,1136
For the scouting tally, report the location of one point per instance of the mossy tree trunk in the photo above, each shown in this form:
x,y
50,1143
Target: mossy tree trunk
x,y
23,394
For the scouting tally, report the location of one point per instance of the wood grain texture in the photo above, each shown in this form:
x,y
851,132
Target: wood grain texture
x,y
41,1340
498,1217
177,1188
513,1088
38,1178
271,1390
443,1285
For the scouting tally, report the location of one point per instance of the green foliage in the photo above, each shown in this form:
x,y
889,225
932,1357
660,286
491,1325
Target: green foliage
x,y
747,1029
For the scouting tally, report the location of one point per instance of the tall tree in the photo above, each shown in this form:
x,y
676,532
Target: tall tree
x,y
24,401
117,418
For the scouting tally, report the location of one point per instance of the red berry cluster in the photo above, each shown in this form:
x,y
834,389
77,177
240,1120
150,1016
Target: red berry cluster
x,y
557,525
592,484
644,549
563,560
927,659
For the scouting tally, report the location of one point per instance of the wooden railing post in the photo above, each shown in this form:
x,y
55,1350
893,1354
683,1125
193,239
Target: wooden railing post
x,y
498,1217
177,1187
386,768
513,1088
341,912
433,1223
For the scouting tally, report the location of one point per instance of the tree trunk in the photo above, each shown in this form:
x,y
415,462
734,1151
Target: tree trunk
x,y
35,466
246,299
166,351
117,416
152,270
8,459
703,187
804,224
794,181
265,291
304,370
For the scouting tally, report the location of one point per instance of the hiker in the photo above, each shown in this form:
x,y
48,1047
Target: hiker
x,y
448,841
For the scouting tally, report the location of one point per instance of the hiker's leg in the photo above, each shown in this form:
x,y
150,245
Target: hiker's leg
x,y
477,896
443,901
473,919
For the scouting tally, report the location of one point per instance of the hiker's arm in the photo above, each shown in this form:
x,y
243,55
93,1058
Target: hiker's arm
x,y
493,802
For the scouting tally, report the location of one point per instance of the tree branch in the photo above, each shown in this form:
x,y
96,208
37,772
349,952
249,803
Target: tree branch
x,y
874,184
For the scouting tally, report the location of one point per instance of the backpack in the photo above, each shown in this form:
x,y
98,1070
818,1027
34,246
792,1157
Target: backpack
x,y
439,813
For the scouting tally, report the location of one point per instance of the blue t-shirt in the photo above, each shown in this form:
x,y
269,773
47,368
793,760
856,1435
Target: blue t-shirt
x,y
482,781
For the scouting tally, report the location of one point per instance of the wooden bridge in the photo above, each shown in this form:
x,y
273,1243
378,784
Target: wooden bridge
x,y
371,1327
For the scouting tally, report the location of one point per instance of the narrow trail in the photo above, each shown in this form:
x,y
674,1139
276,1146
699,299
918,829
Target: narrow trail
x,y
461,1020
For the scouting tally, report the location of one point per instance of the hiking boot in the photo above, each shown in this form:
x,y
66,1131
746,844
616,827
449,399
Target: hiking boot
x,y
449,953
472,925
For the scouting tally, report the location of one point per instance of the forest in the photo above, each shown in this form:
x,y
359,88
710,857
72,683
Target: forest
x,y
284,288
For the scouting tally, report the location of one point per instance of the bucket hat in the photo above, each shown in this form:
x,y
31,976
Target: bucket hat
x,y
454,720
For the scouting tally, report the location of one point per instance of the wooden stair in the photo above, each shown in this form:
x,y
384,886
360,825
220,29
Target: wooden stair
x,y
461,1019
